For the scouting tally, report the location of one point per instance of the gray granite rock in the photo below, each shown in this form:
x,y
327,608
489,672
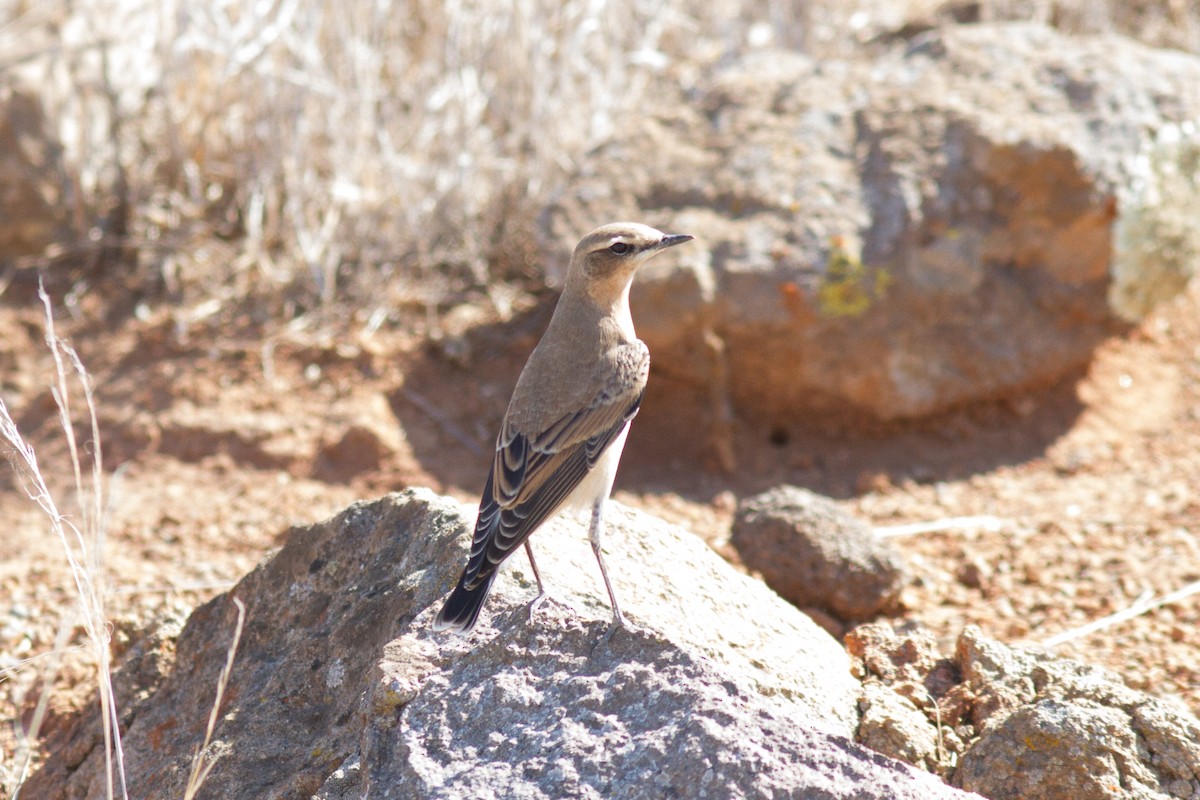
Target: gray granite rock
x,y
341,689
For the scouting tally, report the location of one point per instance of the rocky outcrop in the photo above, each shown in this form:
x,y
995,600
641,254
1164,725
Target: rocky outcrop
x,y
340,688
1010,723
961,219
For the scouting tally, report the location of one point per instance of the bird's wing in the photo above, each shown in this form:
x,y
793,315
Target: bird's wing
x,y
533,474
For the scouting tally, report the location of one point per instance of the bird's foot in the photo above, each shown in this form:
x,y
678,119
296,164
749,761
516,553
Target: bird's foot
x,y
618,623
542,597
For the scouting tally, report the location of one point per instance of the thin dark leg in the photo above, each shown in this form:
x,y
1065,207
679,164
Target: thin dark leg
x,y
537,601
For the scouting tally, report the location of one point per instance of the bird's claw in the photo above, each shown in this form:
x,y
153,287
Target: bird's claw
x,y
537,601
618,623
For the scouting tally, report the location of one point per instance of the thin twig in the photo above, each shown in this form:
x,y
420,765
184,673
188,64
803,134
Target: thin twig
x,y
133,591
48,676
1140,606
988,523
11,671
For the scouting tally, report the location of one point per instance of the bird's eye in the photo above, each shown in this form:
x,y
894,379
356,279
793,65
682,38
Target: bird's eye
x,y
620,248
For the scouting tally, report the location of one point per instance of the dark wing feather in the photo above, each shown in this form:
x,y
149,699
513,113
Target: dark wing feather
x,y
536,476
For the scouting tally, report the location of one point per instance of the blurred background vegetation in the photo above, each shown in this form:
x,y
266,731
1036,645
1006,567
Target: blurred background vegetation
x,y
366,162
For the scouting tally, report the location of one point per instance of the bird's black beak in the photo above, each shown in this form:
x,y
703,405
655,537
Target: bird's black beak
x,y
672,239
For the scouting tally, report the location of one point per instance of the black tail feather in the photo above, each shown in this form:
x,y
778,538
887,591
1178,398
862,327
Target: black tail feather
x,y
461,611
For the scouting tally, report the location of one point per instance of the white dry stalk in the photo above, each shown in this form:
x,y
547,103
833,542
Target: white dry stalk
x,y
83,548
47,673
201,764
1142,605
986,523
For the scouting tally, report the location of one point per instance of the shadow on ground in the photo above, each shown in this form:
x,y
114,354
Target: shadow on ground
x,y
455,394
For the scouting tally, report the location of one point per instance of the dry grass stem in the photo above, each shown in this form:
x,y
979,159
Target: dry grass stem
x,y
985,523
201,764
82,542
1144,604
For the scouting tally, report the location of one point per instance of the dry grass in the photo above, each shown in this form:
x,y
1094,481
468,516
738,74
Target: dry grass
x,y
320,149
82,540
202,762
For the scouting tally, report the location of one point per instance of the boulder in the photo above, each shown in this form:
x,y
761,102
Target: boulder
x,y
964,218
818,556
1050,750
1057,729
341,689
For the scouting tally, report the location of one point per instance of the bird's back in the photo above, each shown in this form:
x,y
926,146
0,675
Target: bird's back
x,y
614,361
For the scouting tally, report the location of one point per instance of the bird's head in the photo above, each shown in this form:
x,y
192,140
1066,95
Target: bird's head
x,y
606,259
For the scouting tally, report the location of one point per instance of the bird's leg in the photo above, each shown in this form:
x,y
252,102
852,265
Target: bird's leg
x,y
537,601
594,534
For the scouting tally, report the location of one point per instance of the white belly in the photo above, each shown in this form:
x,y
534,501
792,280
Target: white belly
x,y
598,483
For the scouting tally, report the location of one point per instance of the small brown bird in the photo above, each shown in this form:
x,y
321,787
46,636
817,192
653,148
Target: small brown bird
x,y
562,436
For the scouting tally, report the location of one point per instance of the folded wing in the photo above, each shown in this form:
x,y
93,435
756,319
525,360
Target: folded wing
x,y
531,476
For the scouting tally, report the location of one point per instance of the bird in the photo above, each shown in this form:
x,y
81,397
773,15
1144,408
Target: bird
x,y
565,427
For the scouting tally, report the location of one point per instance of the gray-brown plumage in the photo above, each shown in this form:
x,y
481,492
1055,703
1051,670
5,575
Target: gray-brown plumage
x,y
562,436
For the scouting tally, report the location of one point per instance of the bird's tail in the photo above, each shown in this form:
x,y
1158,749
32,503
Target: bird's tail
x,y
461,611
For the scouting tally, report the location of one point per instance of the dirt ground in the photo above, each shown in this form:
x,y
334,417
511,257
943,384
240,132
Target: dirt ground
x,y
215,444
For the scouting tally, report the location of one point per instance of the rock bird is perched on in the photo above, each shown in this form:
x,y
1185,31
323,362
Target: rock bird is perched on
x,y
566,424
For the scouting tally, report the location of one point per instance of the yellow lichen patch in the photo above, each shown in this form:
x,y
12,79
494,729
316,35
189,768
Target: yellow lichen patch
x,y
1042,741
849,287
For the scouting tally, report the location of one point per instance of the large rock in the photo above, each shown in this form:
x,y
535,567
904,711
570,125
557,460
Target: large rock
x,y
340,689
961,219
1052,750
